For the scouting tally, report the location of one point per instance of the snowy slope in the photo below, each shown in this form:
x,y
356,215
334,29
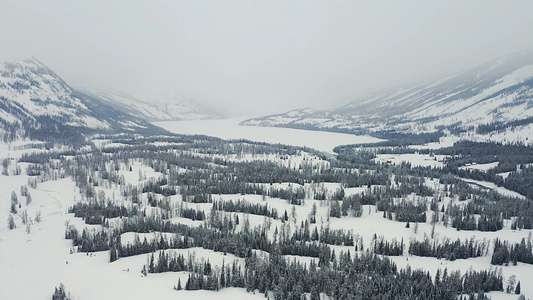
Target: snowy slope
x,y
37,91
281,119
496,96
34,100
163,108
181,109
42,257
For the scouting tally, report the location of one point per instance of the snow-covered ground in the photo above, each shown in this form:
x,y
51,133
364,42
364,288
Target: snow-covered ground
x,y
480,167
422,160
492,186
445,141
42,258
14,150
230,129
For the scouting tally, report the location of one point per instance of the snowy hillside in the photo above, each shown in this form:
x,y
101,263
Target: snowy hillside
x,y
281,119
164,108
37,102
493,98
178,108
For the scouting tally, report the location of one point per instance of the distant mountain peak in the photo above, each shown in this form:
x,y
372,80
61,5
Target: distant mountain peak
x,y
167,107
26,66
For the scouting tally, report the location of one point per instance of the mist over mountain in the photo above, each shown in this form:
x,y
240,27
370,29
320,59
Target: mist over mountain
x,y
492,101
389,150
166,107
35,102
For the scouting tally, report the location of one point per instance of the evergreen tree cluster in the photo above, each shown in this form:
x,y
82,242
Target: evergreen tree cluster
x,y
447,249
193,214
351,205
294,196
362,277
244,206
96,212
463,218
505,253
158,186
60,293
200,169
324,235
405,211
383,247
89,240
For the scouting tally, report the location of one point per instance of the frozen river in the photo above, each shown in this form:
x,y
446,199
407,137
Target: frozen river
x,y
230,129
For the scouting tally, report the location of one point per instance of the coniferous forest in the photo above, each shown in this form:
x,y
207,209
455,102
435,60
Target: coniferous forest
x,y
245,200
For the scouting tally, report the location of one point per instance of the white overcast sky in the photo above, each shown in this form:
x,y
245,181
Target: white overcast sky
x,y
260,56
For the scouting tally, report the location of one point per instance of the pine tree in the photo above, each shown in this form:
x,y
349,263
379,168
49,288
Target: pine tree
x,y
143,271
510,284
38,216
11,222
312,219
112,254
315,295
223,276
188,283
151,268
14,198
517,289
60,294
293,213
13,208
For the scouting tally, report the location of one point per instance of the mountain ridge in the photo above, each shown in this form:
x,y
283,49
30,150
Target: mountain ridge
x,y
35,102
162,108
498,92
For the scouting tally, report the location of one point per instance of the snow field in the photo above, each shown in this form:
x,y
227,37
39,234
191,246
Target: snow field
x,y
42,258
422,160
229,129
26,257
481,167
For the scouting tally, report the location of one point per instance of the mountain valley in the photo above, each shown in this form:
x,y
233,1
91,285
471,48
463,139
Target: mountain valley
x,y
98,202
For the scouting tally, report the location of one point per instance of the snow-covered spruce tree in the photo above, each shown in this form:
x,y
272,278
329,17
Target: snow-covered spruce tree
x,y
60,294
14,197
11,222
28,198
38,216
13,209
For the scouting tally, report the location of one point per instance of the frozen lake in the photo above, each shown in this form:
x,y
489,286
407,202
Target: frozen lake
x,y
230,129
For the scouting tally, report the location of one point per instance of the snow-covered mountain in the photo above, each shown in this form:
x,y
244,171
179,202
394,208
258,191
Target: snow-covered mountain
x,y
167,107
178,108
36,102
492,101
289,117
